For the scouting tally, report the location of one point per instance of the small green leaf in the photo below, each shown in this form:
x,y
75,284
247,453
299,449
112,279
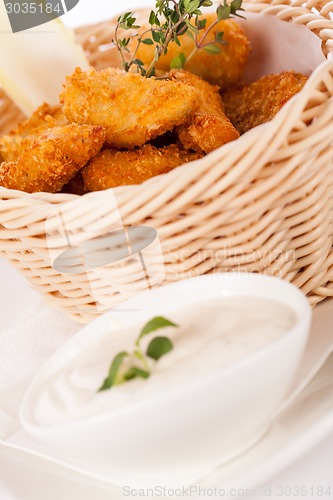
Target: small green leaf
x,y
176,40
158,347
124,42
223,12
148,41
156,36
174,17
138,62
155,324
186,4
201,24
113,371
127,20
219,36
212,49
192,28
235,5
125,17
206,3
193,6
178,62
135,372
153,19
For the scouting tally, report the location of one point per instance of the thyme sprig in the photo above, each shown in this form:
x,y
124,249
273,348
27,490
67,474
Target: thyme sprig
x,y
171,20
126,366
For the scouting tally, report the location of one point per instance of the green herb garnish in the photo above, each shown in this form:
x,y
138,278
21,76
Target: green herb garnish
x,y
168,22
111,379
124,366
158,347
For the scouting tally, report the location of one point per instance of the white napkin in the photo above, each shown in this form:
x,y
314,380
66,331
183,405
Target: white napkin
x,y
23,350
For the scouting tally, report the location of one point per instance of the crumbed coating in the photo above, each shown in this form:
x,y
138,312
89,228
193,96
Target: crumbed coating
x,y
208,128
257,103
44,117
21,137
52,159
223,69
133,109
111,168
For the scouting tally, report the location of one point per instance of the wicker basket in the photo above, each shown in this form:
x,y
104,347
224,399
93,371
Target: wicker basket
x,y
263,206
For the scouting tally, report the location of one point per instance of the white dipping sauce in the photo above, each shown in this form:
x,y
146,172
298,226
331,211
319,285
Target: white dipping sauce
x,y
211,334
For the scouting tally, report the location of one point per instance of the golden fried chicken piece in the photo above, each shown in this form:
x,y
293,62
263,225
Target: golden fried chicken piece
x,y
52,159
208,128
223,69
22,136
112,168
133,109
46,116
257,103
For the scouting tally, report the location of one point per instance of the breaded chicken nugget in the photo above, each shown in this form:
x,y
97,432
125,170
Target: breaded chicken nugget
x,y
133,109
208,128
46,116
113,168
22,136
223,69
52,159
257,103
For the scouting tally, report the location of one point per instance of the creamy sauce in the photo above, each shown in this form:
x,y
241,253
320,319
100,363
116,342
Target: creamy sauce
x,y
212,334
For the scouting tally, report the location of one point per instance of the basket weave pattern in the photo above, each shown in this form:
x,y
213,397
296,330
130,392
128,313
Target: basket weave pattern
x,y
263,206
